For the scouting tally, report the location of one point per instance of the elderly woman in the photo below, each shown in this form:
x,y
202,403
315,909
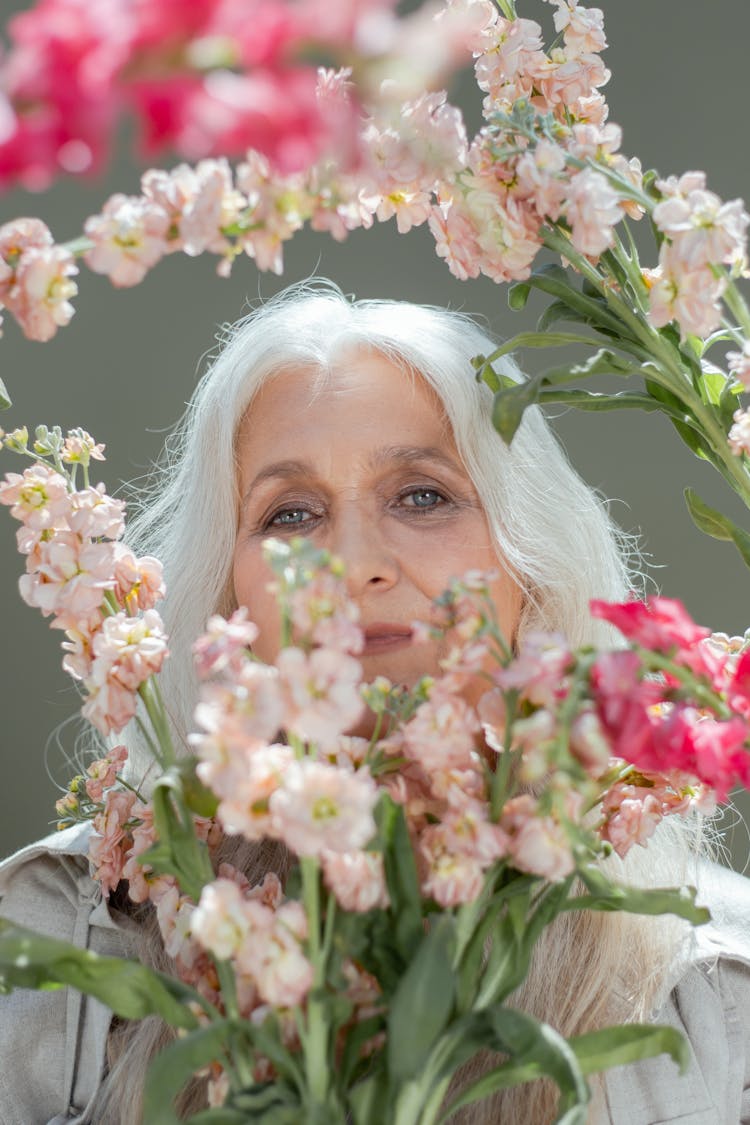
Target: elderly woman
x,y
359,425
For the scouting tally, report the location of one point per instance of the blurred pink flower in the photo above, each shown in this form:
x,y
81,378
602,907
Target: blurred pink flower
x,y
129,236
356,878
442,733
225,644
320,808
321,692
739,433
450,877
109,838
537,844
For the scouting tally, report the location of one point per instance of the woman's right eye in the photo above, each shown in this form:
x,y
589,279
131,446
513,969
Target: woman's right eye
x,y
289,517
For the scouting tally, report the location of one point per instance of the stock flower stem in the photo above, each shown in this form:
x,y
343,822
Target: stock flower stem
x,y
737,305
152,701
316,1038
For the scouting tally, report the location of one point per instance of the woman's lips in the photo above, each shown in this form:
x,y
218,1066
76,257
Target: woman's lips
x,y
385,637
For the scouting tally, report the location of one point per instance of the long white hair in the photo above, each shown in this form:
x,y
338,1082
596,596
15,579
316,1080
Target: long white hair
x,y
552,532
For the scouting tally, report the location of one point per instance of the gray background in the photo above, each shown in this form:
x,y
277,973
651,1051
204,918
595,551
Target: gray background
x,y
129,360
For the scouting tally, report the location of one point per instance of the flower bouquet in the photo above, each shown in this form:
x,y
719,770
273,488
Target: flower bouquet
x,y
424,862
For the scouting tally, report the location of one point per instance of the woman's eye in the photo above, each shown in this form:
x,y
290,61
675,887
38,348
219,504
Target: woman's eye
x,y
423,498
289,517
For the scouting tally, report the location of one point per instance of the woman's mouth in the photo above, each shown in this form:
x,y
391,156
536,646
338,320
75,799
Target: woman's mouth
x,y
385,636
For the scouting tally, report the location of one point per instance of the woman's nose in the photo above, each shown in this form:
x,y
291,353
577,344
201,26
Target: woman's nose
x,y
369,562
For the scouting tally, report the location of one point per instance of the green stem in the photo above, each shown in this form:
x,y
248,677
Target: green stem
x,y
152,701
316,1036
735,302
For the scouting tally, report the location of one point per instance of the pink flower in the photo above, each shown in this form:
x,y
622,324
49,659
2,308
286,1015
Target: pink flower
x,y
592,209
71,578
321,808
451,878
284,975
109,839
110,706
322,613
39,497
220,922
662,624
357,879
199,201
739,433
139,582
442,733
225,644
456,240
690,297
703,230
321,690
94,515
102,773
739,365
129,238
246,780
583,28
251,707
539,671
129,649
42,291
632,815
538,844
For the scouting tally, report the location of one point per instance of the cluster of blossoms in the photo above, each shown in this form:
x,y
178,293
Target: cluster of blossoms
x,y
79,573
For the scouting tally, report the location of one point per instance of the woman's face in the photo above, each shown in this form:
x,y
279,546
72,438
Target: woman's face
x,y
366,467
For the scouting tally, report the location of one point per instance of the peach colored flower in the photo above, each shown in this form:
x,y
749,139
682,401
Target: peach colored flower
x,y
102,773
689,297
582,28
321,808
321,693
110,706
456,239
739,364
220,922
139,582
539,670
246,783
200,201
129,649
739,433
451,878
538,844
251,707
110,838
592,209
442,733
357,879
225,644
71,578
38,497
93,514
129,238
42,290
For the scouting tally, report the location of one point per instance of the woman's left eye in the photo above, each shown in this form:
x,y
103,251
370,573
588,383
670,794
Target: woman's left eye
x,y
422,498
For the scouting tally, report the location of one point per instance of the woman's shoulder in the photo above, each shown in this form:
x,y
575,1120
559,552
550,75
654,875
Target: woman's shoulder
x,y
709,1002
52,1043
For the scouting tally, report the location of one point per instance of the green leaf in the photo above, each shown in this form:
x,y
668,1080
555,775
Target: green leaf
x,y
29,960
707,519
535,1049
5,402
557,311
423,1002
606,895
509,406
401,876
368,1098
713,383
173,1066
595,400
616,1046
178,850
541,340
518,295
198,797
741,540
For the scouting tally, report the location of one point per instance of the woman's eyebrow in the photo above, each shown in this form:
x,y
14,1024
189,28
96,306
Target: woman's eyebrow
x,y
382,458
407,454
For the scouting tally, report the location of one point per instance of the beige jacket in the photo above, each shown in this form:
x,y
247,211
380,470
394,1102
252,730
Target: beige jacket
x,y
52,1044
